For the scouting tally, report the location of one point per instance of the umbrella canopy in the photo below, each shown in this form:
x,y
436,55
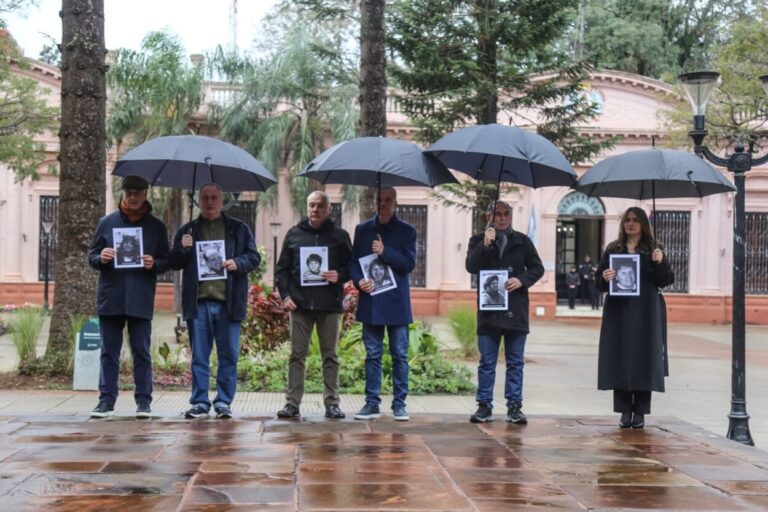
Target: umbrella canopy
x,y
190,161
494,152
651,174
377,162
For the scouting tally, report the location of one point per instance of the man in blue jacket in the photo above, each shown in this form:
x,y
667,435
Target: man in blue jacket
x,y
214,308
394,243
126,295
313,306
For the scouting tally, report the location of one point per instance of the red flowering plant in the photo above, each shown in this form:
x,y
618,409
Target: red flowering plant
x,y
349,305
266,323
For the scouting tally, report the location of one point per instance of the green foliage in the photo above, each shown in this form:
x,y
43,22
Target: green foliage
x,y
737,108
266,322
25,328
169,365
256,276
463,322
24,112
461,62
656,37
288,103
430,371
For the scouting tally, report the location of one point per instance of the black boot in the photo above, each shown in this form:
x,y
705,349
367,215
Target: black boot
x,y
626,420
638,420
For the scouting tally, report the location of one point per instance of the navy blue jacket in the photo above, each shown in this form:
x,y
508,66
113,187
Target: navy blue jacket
x,y
399,239
239,246
128,291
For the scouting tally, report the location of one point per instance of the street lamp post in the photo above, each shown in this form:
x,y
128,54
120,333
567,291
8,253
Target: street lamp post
x,y
275,232
47,227
698,87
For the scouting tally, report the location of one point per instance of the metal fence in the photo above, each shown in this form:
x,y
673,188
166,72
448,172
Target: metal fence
x,y
673,229
416,216
756,249
49,212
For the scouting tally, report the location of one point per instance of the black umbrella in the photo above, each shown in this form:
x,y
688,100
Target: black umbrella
x,y
495,152
377,162
653,173
190,161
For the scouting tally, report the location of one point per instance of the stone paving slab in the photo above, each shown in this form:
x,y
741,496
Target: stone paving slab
x,y
434,462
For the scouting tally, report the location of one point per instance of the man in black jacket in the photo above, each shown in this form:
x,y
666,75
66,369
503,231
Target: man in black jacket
x,y
311,306
501,248
127,295
214,308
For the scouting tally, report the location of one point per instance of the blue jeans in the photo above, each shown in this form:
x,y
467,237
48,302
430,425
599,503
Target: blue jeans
x,y
514,347
213,323
139,332
373,339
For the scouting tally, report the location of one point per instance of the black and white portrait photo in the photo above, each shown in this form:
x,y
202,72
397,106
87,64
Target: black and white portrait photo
x,y
129,247
379,272
493,295
627,280
313,261
210,260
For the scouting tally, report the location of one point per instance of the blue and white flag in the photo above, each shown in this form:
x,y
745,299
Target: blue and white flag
x,y
532,226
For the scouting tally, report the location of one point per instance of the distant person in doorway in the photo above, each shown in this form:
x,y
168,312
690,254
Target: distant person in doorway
x,y
572,280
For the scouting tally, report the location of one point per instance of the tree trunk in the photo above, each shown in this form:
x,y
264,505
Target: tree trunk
x,y
488,90
82,156
373,84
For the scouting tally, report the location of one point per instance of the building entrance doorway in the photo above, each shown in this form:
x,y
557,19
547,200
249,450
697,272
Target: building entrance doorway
x,y
579,233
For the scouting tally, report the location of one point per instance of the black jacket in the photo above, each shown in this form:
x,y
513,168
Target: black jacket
x,y
129,291
633,335
522,261
314,298
239,246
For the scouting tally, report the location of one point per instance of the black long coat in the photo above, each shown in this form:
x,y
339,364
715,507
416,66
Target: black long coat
x,y
633,335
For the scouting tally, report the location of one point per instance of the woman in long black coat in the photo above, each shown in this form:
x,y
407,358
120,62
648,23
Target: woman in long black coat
x,y
633,337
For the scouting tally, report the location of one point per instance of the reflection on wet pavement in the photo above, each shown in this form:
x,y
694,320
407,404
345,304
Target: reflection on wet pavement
x,y
430,463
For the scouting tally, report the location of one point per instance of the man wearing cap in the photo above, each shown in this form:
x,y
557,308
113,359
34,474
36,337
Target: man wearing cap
x,y
214,309
314,306
126,296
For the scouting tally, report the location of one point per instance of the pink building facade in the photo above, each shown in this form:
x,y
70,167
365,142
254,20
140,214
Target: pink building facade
x,y
564,224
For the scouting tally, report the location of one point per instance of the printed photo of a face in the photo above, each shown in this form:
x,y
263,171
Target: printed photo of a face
x,y
493,296
627,267
379,272
210,260
128,247
313,262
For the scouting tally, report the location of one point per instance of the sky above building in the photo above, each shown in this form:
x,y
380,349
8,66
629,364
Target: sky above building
x,y
201,24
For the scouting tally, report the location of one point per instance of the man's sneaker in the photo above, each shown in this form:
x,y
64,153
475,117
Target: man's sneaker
x,y
484,414
638,420
103,410
400,414
223,412
626,419
334,412
368,412
515,414
143,410
196,411
289,411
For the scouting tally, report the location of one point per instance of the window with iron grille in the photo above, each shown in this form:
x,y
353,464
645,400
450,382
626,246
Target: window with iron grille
x,y
416,216
336,213
673,229
244,211
49,212
756,250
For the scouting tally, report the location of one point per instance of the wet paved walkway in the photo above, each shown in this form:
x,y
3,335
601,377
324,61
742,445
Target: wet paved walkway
x,y
434,462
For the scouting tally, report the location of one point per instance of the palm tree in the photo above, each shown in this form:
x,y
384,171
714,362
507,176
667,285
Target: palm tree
x,y
289,105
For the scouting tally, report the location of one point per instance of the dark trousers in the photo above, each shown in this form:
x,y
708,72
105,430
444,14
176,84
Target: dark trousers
x,y
302,324
632,401
572,297
139,334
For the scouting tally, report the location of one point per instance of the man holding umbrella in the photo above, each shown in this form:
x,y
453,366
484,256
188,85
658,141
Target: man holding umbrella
x,y
502,248
127,295
214,308
394,243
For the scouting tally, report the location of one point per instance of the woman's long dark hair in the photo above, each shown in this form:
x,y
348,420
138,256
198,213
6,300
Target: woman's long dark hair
x,y
647,241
